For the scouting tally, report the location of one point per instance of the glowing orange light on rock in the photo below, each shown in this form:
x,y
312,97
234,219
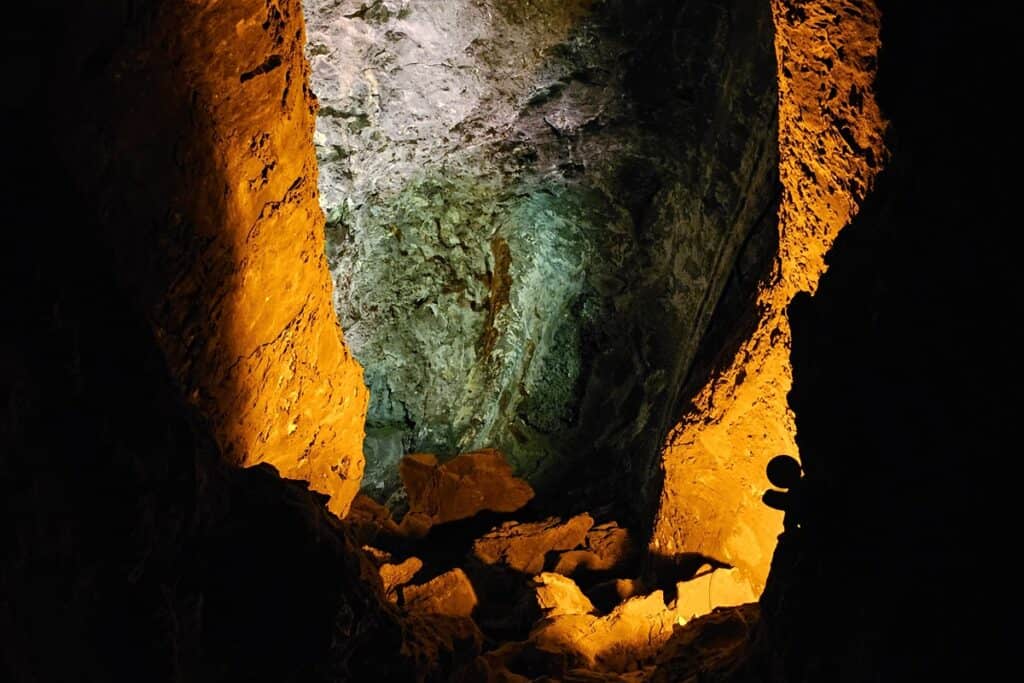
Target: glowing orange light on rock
x,y
830,148
246,318
300,401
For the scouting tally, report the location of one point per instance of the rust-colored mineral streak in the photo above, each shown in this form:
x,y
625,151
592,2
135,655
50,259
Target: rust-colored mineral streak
x,y
830,148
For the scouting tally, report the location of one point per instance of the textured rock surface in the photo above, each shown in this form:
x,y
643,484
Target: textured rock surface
x,y
532,210
366,518
439,645
632,634
711,590
460,488
450,594
626,639
711,648
896,389
558,595
830,148
523,546
396,575
139,555
228,257
608,546
128,538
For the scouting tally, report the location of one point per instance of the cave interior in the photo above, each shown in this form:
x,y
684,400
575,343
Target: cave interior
x,y
450,341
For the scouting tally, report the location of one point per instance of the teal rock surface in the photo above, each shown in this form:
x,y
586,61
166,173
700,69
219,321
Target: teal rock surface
x,y
533,211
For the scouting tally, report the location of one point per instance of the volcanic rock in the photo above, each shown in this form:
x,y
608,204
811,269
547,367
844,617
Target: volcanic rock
x,y
450,594
366,518
715,642
440,644
558,595
459,488
543,176
626,639
394,576
608,546
524,546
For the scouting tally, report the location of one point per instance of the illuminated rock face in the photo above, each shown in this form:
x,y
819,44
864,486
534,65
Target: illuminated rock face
x,y
532,211
830,148
898,376
524,547
229,264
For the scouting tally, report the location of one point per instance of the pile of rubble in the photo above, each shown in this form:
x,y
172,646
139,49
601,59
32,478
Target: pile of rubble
x,y
493,592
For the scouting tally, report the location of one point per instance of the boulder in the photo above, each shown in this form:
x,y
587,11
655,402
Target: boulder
x,y
524,547
367,518
449,594
712,644
625,640
710,590
459,488
439,645
558,595
608,547
395,575
631,635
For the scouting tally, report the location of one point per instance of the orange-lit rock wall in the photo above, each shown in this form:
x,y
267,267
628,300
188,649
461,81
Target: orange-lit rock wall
x,y
830,148
222,241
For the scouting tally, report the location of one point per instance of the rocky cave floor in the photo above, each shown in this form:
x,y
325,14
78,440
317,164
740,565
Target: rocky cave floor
x,y
489,588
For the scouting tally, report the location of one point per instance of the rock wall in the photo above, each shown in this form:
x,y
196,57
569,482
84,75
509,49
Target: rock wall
x,y
903,384
132,551
533,209
830,148
227,252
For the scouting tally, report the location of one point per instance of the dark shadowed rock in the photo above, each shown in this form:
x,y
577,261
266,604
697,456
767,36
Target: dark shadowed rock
x,y
366,518
438,645
708,648
608,547
134,549
459,488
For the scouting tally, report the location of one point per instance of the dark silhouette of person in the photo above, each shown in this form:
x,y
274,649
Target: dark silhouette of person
x,y
785,472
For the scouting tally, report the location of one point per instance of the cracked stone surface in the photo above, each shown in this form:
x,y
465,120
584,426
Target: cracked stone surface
x,y
226,254
523,546
532,210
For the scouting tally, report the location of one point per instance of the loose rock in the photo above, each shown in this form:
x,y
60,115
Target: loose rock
x,y
524,546
450,594
558,595
396,575
608,547
458,489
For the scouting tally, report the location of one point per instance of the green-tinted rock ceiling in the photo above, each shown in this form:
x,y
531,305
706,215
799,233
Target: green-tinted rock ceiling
x,y
533,210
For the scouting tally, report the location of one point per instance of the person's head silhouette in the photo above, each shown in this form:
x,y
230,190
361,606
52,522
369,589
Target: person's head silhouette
x,y
784,471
